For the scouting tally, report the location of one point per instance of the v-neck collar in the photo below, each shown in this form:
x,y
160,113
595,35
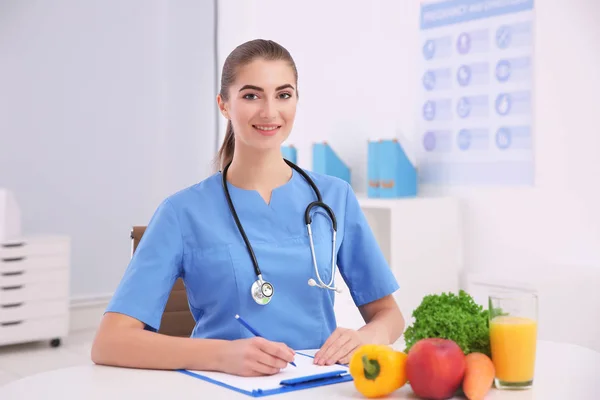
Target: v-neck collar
x,y
255,194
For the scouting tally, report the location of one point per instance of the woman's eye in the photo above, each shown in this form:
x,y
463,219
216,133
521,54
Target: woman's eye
x,y
285,95
250,96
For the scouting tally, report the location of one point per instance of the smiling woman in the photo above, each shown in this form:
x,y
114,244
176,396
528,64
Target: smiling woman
x,y
258,95
266,128
255,216
268,109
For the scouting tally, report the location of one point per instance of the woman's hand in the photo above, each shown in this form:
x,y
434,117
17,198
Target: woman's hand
x,y
385,324
255,357
339,347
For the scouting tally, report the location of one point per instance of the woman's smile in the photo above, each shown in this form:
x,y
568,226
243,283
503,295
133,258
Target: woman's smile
x,y
267,129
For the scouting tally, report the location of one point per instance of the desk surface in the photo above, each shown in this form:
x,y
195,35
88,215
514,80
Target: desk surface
x,y
563,371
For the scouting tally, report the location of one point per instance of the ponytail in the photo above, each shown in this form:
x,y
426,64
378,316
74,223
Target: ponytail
x,y
225,154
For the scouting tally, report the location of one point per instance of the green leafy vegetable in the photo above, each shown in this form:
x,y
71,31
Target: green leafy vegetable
x,y
451,316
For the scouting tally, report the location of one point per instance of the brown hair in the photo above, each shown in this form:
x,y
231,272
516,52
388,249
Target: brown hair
x,y
240,56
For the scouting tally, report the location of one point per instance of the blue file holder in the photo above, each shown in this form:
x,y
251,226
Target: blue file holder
x,y
290,153
326,161
373,181
397,174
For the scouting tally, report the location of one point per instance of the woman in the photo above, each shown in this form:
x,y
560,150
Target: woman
x,y
194,234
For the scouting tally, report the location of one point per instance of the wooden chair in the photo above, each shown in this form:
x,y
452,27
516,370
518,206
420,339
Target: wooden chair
x,y
177,319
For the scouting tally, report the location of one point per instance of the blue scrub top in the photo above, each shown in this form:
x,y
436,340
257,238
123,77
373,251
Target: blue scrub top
x,y
193,235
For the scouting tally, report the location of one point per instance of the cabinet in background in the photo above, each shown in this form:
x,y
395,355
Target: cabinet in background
x,y
34,289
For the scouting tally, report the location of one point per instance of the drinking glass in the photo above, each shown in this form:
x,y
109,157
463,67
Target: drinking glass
x,y
513,320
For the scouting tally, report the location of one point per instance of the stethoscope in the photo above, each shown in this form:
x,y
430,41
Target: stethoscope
x,y
261,290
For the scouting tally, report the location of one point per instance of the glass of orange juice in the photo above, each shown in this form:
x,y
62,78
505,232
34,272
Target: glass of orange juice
x,y
513,338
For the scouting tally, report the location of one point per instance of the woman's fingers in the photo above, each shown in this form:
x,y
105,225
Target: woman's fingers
x,y
264,369
277,350
337,340
324,351
342,356
270,357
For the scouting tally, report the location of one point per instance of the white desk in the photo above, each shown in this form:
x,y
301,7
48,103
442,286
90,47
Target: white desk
x,y
563,371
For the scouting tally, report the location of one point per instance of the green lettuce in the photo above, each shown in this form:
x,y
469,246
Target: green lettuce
x,y
454,317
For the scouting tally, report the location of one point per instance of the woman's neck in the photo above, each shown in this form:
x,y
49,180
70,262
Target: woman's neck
x,y
258,171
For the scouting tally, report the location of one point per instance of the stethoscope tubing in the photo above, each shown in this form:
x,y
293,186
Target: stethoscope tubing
x,y
312,250
239,224
307,220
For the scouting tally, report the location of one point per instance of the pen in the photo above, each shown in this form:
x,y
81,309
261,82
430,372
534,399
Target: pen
x,y
252,330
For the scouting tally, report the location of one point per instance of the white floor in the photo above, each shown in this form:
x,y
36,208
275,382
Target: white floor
x,y
17,361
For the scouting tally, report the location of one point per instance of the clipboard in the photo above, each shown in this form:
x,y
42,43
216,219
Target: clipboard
x,y
304,376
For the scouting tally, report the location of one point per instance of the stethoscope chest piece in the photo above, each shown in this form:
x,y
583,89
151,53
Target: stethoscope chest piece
x,y
262,292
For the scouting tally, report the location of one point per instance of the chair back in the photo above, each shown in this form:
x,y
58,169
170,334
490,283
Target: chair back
x,y
177,319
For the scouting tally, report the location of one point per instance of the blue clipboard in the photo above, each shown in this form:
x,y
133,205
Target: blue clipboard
x,y
332,376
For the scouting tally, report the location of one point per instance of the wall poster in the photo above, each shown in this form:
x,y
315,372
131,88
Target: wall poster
x,y
475,110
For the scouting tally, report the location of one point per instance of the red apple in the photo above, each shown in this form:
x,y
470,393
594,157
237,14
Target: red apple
x,y
435,368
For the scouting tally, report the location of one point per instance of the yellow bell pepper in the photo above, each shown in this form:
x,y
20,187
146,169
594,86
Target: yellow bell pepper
x,y
378,370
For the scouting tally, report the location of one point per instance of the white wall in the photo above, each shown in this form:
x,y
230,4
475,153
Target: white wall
x,y
354,79
105,109
358,74
558,221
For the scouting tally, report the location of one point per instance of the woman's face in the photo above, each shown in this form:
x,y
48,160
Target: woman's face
x,y
262,104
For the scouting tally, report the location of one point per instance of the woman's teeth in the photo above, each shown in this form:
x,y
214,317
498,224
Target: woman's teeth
x,y
266,128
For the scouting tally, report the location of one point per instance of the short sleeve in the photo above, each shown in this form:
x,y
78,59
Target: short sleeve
x,y
360,260
152,271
